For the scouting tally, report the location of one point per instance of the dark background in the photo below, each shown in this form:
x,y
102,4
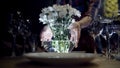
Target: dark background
x,y
29,8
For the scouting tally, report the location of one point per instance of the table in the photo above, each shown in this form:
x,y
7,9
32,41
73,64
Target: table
x,y
22,62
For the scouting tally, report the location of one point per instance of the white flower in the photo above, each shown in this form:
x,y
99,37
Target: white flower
x,y
56,7
45,10
50,8
52,14
73,20
77,13
61,32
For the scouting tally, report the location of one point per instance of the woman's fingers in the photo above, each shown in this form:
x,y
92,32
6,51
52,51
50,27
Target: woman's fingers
x,y
46,34
75,33
78,35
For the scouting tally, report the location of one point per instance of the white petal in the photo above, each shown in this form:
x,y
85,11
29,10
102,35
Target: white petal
x,y
50,8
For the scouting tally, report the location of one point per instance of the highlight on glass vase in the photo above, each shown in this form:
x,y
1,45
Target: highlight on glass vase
x,y
56,35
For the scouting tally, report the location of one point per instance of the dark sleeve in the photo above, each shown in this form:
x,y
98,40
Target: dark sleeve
x,y
91,4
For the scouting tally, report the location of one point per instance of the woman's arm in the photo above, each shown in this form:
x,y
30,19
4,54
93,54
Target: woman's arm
x,y
86,20
82,23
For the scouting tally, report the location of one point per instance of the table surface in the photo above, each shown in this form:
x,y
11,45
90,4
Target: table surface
x,y
22,62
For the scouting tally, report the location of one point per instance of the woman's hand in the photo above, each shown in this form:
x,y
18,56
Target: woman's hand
x,y
75,33
46,34
75,29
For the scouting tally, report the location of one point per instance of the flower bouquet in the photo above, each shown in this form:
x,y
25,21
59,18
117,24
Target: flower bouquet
x,y
58,18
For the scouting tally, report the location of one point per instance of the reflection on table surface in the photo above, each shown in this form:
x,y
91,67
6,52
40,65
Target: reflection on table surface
x,y
22,62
